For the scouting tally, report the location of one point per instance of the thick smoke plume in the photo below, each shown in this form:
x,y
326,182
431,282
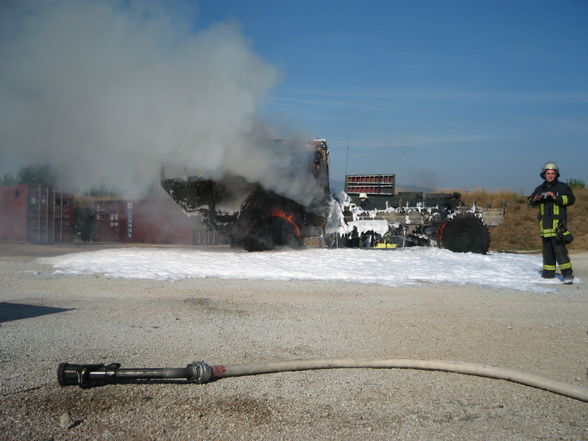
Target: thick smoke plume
x,y
107,91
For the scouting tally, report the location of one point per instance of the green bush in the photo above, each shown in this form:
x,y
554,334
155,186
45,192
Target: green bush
x,y
520,231
576,183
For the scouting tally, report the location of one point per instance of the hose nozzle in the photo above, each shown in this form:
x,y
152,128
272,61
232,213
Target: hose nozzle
x,y
89,375
86,375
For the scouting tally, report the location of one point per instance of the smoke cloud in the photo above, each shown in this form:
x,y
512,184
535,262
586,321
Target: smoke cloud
x,y
107,91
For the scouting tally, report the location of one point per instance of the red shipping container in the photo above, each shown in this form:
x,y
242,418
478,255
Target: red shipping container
x,y
35,214
111,221
13,212
158,221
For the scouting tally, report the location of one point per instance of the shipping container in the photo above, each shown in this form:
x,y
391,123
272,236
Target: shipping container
x,y
36,214
159,221
63,224
13,212
111,221
46,215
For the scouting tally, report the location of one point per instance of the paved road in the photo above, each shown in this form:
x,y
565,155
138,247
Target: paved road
x,y
47,319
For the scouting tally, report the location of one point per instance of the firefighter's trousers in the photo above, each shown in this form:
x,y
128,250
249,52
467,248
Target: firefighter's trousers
x,y
555,251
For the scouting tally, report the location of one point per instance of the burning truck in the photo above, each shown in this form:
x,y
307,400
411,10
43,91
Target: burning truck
x,y
254,217
368,214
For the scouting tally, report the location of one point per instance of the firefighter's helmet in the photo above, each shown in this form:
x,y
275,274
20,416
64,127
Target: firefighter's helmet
x,y
550,166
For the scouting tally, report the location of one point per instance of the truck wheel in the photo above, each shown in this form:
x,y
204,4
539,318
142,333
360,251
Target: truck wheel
x,y
271,233
465,233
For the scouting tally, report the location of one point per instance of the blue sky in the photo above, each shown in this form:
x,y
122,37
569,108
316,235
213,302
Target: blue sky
x,y
446,94
455,94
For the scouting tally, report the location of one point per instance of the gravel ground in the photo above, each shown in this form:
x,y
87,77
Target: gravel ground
x,y
47,319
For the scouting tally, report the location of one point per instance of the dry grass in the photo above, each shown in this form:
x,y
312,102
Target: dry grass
x,y
520,230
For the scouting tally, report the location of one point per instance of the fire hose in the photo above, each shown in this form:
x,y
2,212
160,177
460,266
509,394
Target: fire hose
x,y
90,375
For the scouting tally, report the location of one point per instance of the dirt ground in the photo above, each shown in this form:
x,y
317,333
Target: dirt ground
x,y
46,319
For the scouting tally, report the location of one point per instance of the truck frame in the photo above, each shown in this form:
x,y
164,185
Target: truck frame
x,y
258,219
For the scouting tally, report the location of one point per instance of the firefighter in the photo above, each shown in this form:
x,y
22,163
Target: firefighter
x,y
552,197
353,238
364,202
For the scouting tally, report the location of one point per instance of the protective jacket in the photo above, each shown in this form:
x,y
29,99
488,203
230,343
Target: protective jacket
x,y
552,212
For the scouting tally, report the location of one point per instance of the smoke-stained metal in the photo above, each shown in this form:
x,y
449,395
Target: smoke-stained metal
x,y
252,216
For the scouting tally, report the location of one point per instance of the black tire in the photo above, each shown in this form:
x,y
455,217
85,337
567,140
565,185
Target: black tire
x,y
271,233
466,233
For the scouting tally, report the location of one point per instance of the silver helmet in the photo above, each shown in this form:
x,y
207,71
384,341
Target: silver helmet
x,y
550,166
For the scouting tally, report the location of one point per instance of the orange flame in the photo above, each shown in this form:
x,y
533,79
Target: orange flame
x,y
277,212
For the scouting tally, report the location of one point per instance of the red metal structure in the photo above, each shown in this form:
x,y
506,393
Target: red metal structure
x,y
13,212
46,215
158,221
36,214
148,221
370,184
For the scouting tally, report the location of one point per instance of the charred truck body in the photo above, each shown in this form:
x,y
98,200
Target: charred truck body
x,y
257,219
415,218
253,217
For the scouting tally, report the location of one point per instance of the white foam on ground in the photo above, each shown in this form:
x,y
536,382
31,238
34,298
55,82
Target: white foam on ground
x,y
400,267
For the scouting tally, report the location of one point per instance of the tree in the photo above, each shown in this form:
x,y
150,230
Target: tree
x,y
101,191
40,174
8,180
576,184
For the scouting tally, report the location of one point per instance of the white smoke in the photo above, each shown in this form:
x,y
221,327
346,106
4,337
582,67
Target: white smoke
x,y
105,91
